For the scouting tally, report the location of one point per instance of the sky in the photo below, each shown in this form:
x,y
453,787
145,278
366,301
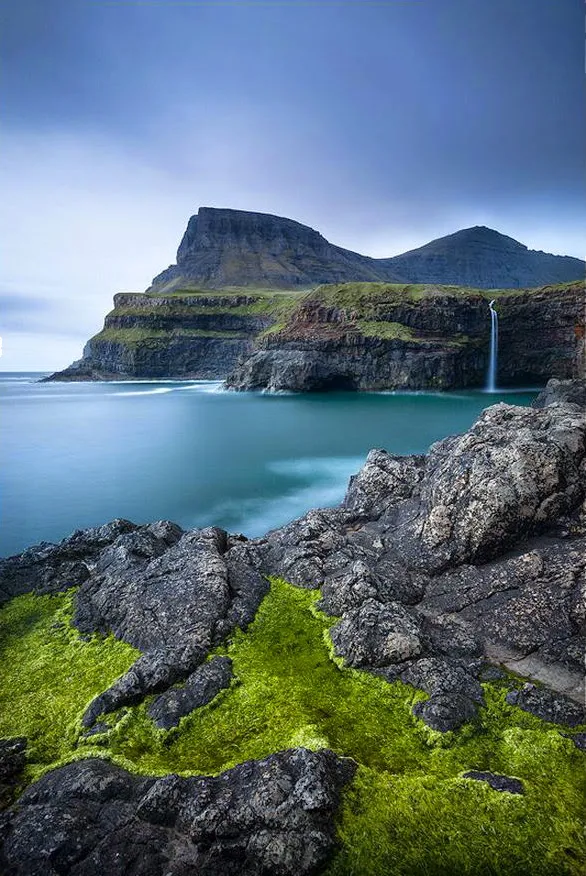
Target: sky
x,y
381,124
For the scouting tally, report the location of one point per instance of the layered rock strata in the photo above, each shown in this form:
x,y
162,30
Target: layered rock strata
x,y
368,336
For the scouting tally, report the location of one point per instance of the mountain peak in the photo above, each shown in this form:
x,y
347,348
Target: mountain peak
x,y
227,247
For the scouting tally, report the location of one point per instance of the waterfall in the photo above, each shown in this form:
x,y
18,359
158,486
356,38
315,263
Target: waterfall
x,y
494,349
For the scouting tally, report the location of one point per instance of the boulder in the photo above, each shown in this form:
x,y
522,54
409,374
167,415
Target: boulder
x,y
273,817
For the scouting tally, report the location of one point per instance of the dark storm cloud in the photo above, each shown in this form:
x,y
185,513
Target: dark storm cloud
x,y
383,124
410,97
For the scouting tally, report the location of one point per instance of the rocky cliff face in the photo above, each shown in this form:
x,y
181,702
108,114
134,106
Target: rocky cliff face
x,y
367,336
237,248
372,337
192,335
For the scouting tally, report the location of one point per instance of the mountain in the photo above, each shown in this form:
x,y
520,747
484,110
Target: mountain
x,y
486,259
223,248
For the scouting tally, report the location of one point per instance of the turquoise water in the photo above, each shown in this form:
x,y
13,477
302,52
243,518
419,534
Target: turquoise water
x,y
79,454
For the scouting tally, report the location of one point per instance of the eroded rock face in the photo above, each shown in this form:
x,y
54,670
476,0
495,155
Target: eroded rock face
x,y
476,552
563,392
200,688
513,473
172,595
90,818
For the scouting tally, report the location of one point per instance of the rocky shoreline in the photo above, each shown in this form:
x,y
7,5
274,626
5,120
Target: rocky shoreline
x,y
440,572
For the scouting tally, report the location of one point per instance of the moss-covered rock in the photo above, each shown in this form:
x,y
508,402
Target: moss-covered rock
x,y
408,811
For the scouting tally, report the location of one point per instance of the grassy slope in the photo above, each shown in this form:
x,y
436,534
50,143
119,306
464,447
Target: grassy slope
x,y
138,335
408,810
361,301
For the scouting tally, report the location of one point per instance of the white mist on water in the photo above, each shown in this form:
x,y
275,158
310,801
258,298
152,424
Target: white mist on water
x,y
494,349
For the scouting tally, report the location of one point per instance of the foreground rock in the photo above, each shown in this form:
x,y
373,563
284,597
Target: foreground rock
x,y
475,553
273,817
174,595
438,570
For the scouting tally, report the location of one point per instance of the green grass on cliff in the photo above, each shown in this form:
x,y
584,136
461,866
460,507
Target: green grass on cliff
x,y
139,335
362,296
408,811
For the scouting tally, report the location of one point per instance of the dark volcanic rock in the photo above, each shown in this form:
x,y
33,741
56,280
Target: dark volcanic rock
x,y
199,689
51,568
376,634
562,392
174,607
547,705
273,817
496,782
172,595
408,571
445,712
12,763
514,472
383,480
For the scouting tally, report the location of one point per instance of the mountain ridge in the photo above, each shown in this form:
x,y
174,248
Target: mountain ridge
x,y
222,247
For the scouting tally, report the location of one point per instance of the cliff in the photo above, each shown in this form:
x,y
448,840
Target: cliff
x,y
192,334
380,336
242,301
394,685
360,336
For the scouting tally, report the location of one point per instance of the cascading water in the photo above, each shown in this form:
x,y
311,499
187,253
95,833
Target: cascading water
x,y
494,349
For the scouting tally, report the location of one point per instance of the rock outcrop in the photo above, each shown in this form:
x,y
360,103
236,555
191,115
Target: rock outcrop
x,y
439,571
272,817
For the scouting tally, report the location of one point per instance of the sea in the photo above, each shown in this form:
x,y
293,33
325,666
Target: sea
x,y
74,455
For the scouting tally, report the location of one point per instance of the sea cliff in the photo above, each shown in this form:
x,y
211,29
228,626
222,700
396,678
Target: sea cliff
x,y
267,302
359,336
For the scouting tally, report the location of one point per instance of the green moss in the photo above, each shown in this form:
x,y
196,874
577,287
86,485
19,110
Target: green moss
x,y
407,812
139,335
363,296
390,331
50,674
